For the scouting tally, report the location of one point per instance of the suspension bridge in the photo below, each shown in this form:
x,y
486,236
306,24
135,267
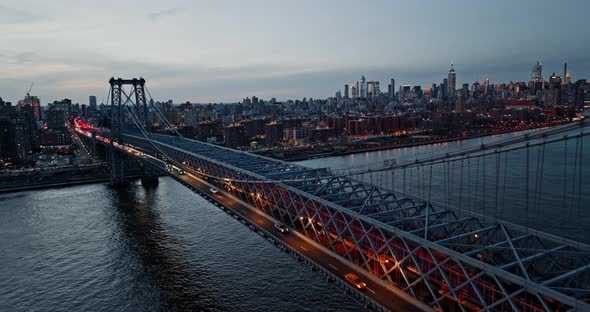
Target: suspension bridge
x,y
429,230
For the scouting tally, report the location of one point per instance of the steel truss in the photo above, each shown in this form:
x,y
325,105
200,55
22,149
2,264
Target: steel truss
x,y
472,262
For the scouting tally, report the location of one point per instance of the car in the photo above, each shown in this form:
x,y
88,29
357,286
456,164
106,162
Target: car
x,y
281,228
181,172
213,190
355,281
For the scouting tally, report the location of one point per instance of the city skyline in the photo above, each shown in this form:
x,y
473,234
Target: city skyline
x,y
310,50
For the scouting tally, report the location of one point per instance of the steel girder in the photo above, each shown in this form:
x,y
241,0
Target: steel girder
x,y
462,264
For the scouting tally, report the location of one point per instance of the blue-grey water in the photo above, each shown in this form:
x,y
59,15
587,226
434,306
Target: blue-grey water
x,y
92,248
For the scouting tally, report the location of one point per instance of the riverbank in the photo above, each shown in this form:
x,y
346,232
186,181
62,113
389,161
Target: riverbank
x,y
54,185
306,154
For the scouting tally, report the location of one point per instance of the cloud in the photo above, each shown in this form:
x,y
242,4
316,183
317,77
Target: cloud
x,y
15,16
162,13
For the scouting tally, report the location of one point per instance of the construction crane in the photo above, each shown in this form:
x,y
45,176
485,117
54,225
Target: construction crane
x,y
30,88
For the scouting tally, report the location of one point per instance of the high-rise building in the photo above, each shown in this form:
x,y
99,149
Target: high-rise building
x,y
233,136
392,89
7,135
33,102
363,87
355,92
452,82
92,101
537,72
273,133
460,101
346,91
56,119
566,75
372,89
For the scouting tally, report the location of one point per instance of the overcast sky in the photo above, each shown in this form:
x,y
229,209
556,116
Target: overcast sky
x,y
212,51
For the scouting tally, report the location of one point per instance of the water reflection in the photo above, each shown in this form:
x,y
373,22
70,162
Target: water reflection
x,y
180,286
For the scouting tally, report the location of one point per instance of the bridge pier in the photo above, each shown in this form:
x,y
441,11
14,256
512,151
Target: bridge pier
x,y
118,182
149,177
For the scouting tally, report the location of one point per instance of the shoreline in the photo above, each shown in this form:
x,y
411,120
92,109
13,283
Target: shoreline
x,y
60,184
53,185
303,156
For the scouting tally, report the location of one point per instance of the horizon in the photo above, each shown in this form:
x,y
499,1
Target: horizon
x,y
286,50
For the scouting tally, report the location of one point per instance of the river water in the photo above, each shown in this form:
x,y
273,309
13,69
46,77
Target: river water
x,y
92,248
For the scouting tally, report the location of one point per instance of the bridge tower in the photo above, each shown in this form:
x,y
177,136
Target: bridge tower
x,y
121,102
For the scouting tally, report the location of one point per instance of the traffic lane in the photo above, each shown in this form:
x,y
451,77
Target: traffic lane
x,y
332,263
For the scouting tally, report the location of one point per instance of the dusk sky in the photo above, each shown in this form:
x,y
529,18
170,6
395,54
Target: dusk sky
x,y
212,51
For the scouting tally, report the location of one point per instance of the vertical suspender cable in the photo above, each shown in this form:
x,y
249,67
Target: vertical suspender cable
x,y
540,193
498,154
581,171
474,203
564,175
574,182
527,186
461,185
428,204
483,174
504,184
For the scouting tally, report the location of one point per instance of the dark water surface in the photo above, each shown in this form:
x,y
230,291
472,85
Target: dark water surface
x,y
91,248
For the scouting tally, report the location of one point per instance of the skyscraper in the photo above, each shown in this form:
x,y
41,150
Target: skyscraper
x,y
92,101
355,92
363,87
346,91
537,72
392,89
452,82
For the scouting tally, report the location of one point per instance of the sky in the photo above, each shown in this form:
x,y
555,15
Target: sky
x,y
223,51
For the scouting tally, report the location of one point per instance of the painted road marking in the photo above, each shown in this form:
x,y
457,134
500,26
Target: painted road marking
x,y
303,248
369,289
333,267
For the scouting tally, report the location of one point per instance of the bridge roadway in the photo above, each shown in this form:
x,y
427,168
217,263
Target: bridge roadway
x,y
385,295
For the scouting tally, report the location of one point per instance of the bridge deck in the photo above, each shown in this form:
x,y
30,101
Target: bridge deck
x,y
510,259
